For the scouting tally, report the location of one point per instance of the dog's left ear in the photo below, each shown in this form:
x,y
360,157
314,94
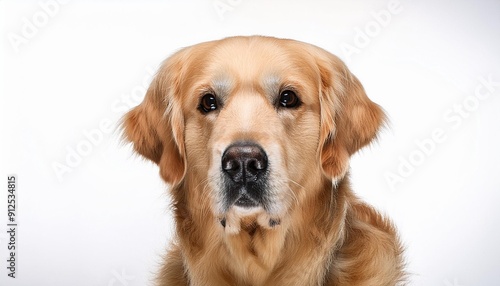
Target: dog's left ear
x,y
349,119
156,126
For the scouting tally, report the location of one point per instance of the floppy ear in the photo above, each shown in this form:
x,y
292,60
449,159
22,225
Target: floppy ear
x,y
156,126
349,119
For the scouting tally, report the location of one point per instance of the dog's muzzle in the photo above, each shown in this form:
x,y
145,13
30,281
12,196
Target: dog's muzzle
x,y
245,170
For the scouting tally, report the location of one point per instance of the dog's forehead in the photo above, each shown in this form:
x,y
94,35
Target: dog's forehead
x,y
258,63
251,58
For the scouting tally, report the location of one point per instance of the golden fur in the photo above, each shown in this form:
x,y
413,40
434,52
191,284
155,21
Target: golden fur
x,y
324,234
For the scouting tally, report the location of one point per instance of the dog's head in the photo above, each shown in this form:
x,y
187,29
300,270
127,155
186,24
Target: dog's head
x,y
252,124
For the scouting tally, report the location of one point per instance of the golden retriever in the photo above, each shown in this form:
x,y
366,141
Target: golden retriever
x,y
254,135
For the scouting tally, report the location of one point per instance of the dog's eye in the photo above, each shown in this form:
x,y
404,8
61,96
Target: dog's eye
x,y
289,99
208,103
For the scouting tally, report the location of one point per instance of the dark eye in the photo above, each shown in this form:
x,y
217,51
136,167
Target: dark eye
x,y
208,103
289,99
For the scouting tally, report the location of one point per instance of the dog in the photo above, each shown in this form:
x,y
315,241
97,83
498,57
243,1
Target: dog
x,y
254,135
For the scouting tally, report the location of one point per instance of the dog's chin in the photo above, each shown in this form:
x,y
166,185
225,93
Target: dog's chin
x,y
246,211
242,214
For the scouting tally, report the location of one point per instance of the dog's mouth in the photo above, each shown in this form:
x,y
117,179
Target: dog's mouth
x,y
247,205
245,195
245,201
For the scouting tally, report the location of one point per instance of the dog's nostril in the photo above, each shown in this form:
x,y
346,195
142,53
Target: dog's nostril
x,y
230,165
255,164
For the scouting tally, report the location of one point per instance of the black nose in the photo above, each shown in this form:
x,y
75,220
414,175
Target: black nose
x,y
244,162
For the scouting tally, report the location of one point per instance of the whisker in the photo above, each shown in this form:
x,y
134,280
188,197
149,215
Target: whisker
x,y
292,181
292,193
204,181
199,165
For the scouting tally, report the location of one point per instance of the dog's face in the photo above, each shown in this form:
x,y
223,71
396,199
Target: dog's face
x,y
252,124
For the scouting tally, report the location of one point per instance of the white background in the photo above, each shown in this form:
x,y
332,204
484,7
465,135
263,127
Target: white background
x,y
69,67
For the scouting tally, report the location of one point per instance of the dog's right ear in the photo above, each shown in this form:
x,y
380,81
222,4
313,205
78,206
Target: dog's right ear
x,y
155,127
349,119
